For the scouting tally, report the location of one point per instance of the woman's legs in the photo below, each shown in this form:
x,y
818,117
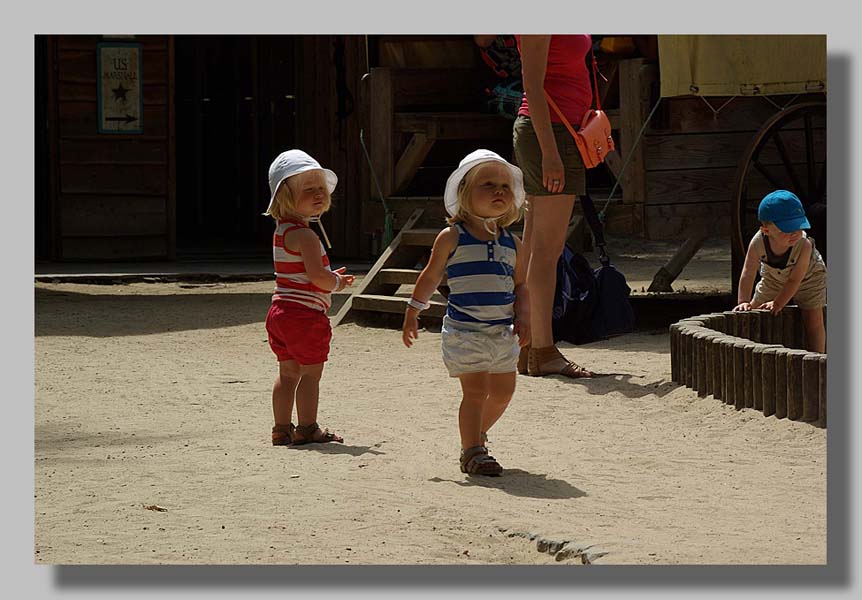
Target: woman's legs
x,y
501,387
815,331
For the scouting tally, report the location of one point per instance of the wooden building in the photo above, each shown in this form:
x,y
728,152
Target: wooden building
x,y
215,110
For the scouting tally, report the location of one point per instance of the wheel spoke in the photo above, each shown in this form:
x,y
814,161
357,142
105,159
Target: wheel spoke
x,y
762,170
785,158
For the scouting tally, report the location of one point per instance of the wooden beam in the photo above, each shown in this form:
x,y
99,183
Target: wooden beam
x,y
411,159
454,125
668,273
635,96
394,304
381,128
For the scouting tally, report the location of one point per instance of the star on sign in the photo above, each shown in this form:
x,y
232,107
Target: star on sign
x,y
120,92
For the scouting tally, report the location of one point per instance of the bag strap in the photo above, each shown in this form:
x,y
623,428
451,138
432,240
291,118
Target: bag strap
x,y
592,218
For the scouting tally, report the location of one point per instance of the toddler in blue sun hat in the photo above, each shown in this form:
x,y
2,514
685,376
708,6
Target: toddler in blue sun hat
x,y
790,266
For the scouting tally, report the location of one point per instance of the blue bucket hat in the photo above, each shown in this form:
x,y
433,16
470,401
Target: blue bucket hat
x,y
785,210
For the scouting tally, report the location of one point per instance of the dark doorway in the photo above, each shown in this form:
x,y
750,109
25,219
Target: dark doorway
x,y
235,110
41,195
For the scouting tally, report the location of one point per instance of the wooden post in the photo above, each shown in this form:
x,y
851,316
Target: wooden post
x,y
728,389
635,98
765,320
732,327
674,353
794,384
743,319
739,393
822,393
667,274
788,329
701,363
811,386
781,383
756,377
767,379
381,125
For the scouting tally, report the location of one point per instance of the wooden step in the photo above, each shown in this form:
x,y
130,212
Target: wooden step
x,y
394,304
402,276
419,237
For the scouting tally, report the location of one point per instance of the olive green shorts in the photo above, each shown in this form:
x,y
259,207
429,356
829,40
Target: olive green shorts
x,y
528,156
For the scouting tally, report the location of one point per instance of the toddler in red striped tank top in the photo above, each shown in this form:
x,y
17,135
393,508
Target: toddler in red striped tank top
x,y
297,324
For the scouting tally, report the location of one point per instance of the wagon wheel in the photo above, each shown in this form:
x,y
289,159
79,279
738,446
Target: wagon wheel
x,y
789,152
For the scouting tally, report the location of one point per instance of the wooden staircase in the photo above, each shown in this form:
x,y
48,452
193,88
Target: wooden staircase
x,y
376,301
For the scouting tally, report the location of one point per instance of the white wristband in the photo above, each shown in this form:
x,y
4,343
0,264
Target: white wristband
x,y
339,282
420,306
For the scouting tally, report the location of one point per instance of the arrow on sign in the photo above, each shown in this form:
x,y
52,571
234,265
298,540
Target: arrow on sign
x,y
127,119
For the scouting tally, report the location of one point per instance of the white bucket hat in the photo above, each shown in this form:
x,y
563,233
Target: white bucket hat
x,y
292,162
450,195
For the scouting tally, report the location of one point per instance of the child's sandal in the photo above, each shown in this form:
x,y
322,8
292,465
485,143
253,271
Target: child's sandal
x,y
313,434
282,435
477,461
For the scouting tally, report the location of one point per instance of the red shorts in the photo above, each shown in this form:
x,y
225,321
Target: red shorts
x,y
298,333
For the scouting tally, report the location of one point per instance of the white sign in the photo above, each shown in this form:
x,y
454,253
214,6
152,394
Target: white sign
x,y
121,101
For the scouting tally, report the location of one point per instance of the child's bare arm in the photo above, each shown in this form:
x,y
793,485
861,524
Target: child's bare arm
x,y
746,278
308,244
522,296
796,276
428,281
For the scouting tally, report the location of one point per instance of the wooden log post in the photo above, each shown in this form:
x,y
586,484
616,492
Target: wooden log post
x,y
765,321
781,383
756,376
700,339
730,322
777,323
748,380
739,393
811,387
794,384
822,393
768,360
715,373
684,339
674,352
754,326
728,389
743,319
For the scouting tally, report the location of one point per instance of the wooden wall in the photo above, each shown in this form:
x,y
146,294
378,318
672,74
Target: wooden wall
x,y
112,194
682,174
329,69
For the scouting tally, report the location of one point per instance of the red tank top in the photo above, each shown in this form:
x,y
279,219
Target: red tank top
x,y
567,78
291,279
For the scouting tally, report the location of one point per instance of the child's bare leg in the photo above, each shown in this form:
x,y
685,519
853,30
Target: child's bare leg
x,y
307,394
284,390
501,387
815,331
474,394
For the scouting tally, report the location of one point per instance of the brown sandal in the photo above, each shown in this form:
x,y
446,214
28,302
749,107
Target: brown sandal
x,y
310,435
282,435
539,357
477,461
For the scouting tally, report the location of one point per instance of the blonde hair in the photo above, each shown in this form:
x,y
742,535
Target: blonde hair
x,y
465,202
285,196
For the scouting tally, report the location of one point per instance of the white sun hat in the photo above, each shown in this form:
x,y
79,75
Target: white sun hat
x,y
450,195
293,162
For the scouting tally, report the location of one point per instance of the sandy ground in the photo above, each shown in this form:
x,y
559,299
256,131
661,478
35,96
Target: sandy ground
x,y
152,411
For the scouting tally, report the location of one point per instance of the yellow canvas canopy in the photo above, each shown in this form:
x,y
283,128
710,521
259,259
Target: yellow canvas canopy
x,y
741,65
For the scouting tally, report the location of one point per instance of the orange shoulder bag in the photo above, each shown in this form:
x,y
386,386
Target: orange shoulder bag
x,y
593,138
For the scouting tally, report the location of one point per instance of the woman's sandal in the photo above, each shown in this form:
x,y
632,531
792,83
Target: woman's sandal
x,y
477,461
282,435
540,357
309,435
524,360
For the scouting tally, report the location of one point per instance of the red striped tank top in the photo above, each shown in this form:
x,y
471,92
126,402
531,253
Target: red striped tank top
x,y
291,280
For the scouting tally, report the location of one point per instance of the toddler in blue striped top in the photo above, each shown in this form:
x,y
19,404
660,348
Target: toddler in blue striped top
x,y
487,317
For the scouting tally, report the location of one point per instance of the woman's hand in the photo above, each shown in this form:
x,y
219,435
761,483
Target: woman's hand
x,y
553,175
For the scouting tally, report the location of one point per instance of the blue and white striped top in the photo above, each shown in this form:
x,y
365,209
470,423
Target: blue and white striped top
x,y
481,279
